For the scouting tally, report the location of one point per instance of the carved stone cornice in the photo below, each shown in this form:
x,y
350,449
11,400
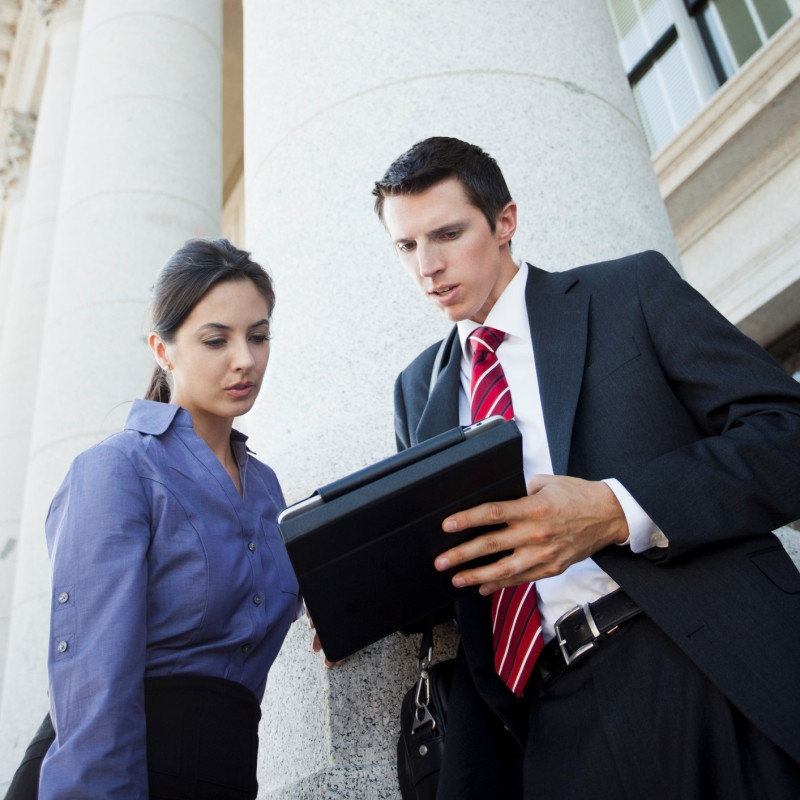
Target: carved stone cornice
x,y
9,14
16,139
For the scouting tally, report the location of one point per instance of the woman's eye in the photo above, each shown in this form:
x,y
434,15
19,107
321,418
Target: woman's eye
x,y
260,338
214,342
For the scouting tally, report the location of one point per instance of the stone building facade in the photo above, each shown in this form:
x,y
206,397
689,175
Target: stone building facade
x,y
128,126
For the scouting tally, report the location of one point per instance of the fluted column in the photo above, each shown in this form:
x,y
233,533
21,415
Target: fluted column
x,y
20,351
141,174
333,93
11,214
16,139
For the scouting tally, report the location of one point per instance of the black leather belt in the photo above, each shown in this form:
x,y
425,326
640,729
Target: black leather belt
x,y
581,629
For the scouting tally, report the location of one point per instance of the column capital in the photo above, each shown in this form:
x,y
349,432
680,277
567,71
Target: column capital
x,y
16,139
47,9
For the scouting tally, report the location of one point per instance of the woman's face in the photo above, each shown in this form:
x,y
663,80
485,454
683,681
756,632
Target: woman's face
x,y
219,354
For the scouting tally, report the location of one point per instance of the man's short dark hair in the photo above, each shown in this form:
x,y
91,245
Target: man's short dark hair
x,y
441,157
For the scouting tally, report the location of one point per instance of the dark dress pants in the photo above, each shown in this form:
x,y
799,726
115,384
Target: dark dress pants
x,y
635,719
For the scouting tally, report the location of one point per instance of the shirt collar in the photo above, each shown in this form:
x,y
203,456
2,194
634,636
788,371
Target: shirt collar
x,y
509,313
154,418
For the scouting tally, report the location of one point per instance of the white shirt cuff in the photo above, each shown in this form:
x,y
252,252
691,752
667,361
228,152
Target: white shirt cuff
x,y
642,531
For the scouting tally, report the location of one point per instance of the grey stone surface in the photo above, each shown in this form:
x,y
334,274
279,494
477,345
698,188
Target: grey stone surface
x,y
332,733
340,91
790,539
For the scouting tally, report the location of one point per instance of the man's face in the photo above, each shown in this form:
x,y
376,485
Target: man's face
x,y
449,249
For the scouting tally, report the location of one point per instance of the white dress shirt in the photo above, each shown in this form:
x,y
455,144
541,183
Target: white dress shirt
x,y
584,581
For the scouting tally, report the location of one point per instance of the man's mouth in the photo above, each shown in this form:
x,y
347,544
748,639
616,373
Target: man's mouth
x,y
442,290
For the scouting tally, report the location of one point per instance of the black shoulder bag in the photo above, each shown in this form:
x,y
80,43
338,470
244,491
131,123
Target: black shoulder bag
x,y
423,724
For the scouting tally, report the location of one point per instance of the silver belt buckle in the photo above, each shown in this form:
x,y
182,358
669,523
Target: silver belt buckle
x,y
562,642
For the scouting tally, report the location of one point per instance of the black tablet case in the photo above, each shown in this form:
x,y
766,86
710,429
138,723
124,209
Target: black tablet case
x,y
364,557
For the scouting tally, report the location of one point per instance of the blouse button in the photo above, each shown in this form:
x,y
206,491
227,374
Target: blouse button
x,y
251,546
257,599
62,647
245,648
63,597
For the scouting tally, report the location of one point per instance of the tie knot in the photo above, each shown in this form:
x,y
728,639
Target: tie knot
x,y
486,339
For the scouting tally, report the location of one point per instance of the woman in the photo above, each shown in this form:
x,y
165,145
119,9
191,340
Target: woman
x,y
172,590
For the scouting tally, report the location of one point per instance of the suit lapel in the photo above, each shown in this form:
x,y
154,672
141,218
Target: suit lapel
x,y
559,326
441,411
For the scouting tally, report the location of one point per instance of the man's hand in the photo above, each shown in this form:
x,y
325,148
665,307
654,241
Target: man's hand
x,y
562,521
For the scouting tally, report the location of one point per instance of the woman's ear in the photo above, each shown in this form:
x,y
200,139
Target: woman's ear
x,y
159,348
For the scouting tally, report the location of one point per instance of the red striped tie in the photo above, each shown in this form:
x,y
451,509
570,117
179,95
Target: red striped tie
x,y
516,626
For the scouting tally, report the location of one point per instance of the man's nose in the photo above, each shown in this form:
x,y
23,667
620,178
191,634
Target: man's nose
x,y
429,260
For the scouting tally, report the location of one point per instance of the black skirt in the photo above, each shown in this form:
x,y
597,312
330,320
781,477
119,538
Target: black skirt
x,y
202,741
202,738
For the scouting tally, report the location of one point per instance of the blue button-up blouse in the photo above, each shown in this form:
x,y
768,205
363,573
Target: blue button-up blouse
x,y
159,567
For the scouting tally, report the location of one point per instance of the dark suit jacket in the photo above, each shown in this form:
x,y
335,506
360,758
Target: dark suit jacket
x,y
643,381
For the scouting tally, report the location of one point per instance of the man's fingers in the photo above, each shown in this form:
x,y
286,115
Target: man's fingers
x,y
513,568
485,545
486,514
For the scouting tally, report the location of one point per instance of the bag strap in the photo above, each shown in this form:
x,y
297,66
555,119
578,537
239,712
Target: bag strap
x,y
426,644
422,690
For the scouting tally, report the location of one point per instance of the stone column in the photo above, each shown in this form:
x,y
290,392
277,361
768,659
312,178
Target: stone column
x,y
20,350
11,214
141,174
333,93
16,137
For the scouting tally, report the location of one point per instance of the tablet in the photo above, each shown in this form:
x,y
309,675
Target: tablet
x,y
363,546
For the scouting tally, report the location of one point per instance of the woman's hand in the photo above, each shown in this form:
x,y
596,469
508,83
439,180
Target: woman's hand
x,y
316,645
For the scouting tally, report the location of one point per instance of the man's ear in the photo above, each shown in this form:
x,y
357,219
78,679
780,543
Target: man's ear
x,y
159,348
506,223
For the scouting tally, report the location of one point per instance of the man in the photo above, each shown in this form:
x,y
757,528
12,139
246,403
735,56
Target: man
x,y
661,447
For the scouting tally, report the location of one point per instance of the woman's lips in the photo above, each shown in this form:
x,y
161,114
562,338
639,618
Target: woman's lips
x,y
240,390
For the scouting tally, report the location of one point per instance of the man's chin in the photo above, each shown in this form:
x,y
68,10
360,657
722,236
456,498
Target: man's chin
x,y
452,313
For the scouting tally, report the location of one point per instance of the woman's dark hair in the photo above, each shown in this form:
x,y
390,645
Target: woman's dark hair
x,y
184,281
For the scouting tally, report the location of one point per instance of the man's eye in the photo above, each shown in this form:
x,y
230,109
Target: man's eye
x,y
451,234
406,247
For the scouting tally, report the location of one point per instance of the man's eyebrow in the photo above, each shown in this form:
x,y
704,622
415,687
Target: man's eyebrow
x,y
449,226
